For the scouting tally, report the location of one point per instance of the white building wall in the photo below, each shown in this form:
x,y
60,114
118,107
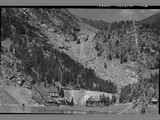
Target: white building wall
x,y
81,96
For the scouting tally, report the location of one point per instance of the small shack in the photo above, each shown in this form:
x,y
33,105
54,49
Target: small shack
x,y
92,101
53,92
154,101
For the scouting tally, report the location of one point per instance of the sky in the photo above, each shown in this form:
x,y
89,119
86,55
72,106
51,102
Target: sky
x,y
104,14
111,15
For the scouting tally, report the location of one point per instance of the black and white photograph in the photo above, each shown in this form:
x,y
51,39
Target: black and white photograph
x,y
80,63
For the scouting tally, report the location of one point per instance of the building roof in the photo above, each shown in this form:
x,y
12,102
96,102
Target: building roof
x,y
154,99
52,89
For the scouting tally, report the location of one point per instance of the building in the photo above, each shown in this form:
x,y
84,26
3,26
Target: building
x,y
81,96
154,101
53,92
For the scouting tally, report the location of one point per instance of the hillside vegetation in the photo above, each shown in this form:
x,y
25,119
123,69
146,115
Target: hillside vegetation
x,y
136,42
27,50
45,45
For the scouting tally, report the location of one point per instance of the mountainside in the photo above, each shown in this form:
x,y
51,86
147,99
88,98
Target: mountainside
x,y
99,24
42,46
131,47
48,45
153,20
119,47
